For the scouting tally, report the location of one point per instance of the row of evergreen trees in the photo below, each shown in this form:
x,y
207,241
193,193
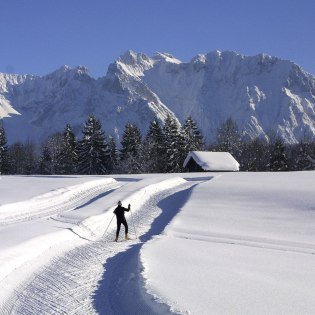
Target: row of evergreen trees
x,y
262,155
163,149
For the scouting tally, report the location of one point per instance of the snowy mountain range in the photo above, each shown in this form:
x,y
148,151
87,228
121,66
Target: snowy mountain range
x,y
261,93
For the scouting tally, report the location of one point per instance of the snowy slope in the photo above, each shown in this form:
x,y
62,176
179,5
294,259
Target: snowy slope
x,y
261,93
243,244
29,248
68,95
6,82
229,243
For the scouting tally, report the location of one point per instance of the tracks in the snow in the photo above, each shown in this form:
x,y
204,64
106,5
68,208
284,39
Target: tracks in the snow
x,y
55,202
84,281
264,243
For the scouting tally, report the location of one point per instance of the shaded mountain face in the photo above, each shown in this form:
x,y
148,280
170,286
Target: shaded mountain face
x,y
262,94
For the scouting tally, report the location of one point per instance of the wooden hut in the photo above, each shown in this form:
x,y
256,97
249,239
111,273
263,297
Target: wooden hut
x,y
202,161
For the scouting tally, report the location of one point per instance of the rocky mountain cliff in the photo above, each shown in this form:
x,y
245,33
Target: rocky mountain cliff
x,y
261,93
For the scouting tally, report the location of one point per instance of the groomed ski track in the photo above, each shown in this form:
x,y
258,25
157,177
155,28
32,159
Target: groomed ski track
x,y
95,275
55,202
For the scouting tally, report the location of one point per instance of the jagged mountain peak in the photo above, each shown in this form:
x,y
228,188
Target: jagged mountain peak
x,y
200,58
131,63
159,56
261,93
131,58
9,79
66,71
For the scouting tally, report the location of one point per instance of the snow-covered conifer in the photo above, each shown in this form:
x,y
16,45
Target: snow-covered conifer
x,y
17,158
229,138
131,158
31,158
113,153
301,155
254,157
68,156
172,146
45,161
153,148
93,151
51,154
4,156
278,159
193,139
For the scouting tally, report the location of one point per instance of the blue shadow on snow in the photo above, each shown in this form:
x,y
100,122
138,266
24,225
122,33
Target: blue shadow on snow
x,y
118,290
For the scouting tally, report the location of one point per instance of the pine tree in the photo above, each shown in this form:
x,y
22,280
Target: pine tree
x,y
193,139
254,157
131,158
278,159
113,153
300,156
93,151
229,138
31,159
4,156
172,146
50,161
153,148
45,162
68,156
311,156
17,158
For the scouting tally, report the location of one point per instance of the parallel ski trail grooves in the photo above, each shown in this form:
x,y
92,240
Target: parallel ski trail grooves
x,y
287,246
55,202
66,286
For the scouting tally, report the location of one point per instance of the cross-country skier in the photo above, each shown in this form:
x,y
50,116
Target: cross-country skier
x,y
120,215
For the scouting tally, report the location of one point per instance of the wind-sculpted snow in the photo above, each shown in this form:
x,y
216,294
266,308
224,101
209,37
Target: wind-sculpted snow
x,y
24,242
242,244
66,284
229,243
261,93
57,201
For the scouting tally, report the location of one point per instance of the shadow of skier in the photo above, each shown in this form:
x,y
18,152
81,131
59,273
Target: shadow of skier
x,y
119,290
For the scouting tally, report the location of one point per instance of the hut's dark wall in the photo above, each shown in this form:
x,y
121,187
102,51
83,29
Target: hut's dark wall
x,y
192,166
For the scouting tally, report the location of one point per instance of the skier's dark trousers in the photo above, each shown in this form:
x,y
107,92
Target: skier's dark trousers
x,y
120,215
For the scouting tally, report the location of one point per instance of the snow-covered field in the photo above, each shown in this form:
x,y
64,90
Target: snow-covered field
x,y
209,243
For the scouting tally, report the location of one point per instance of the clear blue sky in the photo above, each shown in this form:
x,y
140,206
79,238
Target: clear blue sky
x,y
39,36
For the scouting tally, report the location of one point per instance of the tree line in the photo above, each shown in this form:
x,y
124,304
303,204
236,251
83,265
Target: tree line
x,y
162,150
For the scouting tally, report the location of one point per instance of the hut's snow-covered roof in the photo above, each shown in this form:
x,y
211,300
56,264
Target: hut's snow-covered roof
x,y
213,161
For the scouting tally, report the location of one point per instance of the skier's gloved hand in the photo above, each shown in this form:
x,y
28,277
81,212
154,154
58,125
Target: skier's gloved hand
x,y
129,206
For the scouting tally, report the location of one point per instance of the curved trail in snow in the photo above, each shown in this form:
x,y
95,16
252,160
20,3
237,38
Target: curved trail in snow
x,y
55,202
121,290
30,239
86,280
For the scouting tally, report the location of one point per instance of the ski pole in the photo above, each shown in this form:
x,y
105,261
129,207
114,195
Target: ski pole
x,y
108,225
133,222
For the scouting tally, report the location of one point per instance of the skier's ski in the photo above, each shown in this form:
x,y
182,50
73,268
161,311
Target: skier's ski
x,y
130,239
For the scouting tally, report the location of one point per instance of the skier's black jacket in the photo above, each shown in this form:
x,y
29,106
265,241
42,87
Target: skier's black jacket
x,y
120,212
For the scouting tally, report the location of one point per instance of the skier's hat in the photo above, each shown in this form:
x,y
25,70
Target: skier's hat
x,y
119,203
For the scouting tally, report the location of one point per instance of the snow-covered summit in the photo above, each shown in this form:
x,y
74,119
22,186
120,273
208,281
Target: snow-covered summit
x,y
133,64
66,72
165,57
261,93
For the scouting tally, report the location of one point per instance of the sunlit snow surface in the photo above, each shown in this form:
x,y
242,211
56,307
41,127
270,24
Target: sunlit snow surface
x,y
242,244
209,243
